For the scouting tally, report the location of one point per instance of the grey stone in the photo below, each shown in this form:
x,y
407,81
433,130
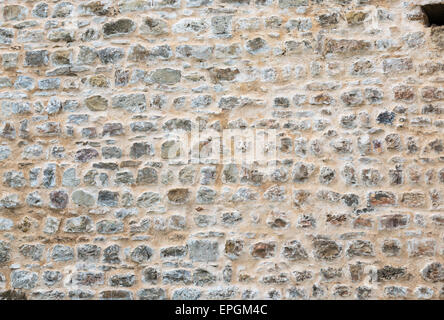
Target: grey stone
x,y
141,254
256,46
205,195
5,152
62,253
5,251
78,224
111,254
165,76
110,55
178,276
58,199
85,155
32,251
34,199
140,149
135,102
118,28
153,27
148,199
51,225
203,250
40,10
108,198
88,252
22,279
186,294
24,82
10,201
151,294
109,226
147,176
6,224
14,179
51,277
83,198
62,10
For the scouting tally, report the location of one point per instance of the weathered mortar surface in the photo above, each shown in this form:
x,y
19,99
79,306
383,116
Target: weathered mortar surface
x,y
90,209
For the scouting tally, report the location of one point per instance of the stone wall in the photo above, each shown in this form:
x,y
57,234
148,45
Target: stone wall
x,y
100,198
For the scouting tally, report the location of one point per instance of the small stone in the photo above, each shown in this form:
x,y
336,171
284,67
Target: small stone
x,y
178,276
118,28
141,254
51,225
5,251
51,277
152,294
58,199
294,251
186,294
326,249
85,155
153,27
393,221
14,12
110,55
108,198
78,225
62,253
135,102
205,195
36,58
140,149
62,10
22,279
263,250
34,252
96,103
166,76
111,254
148,199
256,46
88,252
203,250
109,227
360,248
40,10
433,272
83,198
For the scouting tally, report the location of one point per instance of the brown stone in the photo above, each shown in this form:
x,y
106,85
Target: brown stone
x,y
96,103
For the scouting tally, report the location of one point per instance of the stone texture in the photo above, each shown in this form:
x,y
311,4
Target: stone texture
x,y
111,183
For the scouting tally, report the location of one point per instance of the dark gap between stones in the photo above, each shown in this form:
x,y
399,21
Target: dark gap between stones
x,y
434,14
